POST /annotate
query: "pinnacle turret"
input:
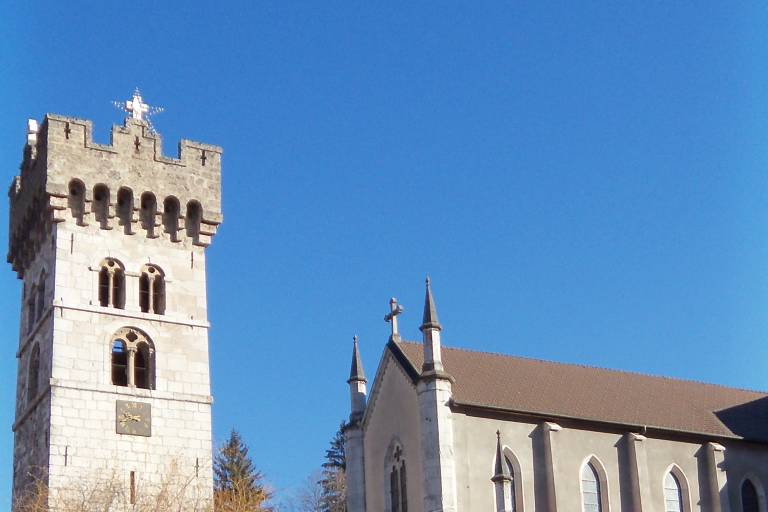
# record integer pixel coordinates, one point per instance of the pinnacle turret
(430, 330)
(357, 385)
(356, 373)
(501, 470)
(430, 320)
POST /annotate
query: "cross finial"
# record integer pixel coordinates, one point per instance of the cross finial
(136, 106)
(137, 109)
(391, 317)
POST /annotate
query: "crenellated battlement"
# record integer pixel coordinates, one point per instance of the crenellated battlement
(127, 185)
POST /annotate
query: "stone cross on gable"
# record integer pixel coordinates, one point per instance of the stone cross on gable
(391, 317)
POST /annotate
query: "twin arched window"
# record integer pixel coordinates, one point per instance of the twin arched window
(133, 359)
(152, 290)
(112, 287)
(398, 491)
(112, 284)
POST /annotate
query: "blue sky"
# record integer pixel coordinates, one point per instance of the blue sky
(583, 183)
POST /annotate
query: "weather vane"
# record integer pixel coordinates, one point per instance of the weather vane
(137, 109)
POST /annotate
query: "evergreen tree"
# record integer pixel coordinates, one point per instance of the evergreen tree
(238, 486)
(334, 455)
(333, 482)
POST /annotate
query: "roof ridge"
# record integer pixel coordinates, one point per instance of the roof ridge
(594, 367)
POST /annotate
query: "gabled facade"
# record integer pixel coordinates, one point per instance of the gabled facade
(456, 430)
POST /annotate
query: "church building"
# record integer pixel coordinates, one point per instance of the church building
(447, 430)
(113, 389)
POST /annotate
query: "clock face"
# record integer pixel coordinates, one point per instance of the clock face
(133, 418)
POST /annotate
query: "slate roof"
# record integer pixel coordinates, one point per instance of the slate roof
(557, 390)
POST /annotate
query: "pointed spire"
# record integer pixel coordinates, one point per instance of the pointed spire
(430, 311)
(501, 470)
(356, 373)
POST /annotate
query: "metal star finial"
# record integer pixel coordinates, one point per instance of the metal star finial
(137, 109)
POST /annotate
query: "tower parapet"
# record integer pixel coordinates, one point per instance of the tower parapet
(128, 184)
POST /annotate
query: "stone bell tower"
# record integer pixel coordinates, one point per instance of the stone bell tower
(113, 388)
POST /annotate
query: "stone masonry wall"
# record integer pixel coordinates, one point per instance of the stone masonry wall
(72, 424)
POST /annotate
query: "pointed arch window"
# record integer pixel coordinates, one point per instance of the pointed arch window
(593, 497)
(511, 505)
(750, 499)
(152, 290)
(673, 494)
(133, 359)
(676, 495)
(33, 375)
(112, 284)
(398, 491)
(507, 482)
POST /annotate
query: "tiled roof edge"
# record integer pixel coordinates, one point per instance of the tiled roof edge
(617, 425)
(592, 367)
(406, 363)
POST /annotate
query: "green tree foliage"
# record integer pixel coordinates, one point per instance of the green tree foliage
(238, 486)
(333, 481)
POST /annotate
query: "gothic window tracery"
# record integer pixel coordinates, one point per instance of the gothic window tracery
(133, 359)
(152, 290)
(112, 284)
(398, 492)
